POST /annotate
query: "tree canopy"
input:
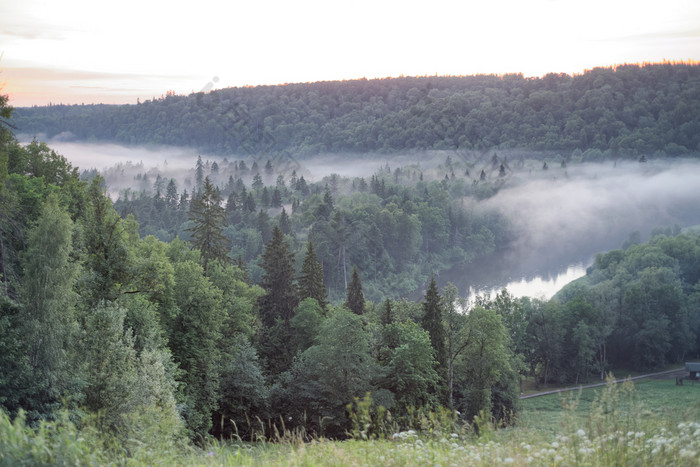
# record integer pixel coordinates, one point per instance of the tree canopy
(626, 110)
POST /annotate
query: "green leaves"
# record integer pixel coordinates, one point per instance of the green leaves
(485, 358)
(49, 323)
(194, 339)
(410, 367)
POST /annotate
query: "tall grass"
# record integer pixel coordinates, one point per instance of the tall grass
(650, 425)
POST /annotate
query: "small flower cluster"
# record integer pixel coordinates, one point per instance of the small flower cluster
(404, 435)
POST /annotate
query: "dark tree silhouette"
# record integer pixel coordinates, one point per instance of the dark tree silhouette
(355, 299)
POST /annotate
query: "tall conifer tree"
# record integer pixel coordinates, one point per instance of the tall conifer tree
(209, 220)
(355, 298)
(107, 255)
(311, 278)
(278, 303)
(284, 223)
(199, 176)
(387, 313)
(278, 281)
(432, 322)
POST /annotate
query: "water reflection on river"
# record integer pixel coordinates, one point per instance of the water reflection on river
(535, 287)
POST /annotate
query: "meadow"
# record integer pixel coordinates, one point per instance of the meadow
(648, 424)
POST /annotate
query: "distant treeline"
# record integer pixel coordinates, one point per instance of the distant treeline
(626, 111)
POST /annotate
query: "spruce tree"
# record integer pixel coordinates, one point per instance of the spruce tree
(107, 259)
(171, 196)
(276, 200)
(355, 298)
(311, 278)
(209, 219)
(198, 175)
(387, 313)
(231, 209)
(263, 225)
(249, 203)
(432, 322)
(284, 223)
(277, 305)
(278, 280)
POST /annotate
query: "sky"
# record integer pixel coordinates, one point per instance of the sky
(87, 51)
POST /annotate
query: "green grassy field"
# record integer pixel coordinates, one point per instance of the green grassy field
(651, 423)
(648, 424)
(655, 400)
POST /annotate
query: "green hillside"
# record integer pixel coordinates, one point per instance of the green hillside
(625, 111)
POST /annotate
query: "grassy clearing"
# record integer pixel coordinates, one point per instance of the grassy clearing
(656, 400)
(650, 424)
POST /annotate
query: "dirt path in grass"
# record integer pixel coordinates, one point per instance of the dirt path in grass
(659, 375)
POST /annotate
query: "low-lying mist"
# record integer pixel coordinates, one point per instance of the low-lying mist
(597, 205)
(123, 167)
(560, 216)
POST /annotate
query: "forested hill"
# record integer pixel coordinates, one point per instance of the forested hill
(629, 110)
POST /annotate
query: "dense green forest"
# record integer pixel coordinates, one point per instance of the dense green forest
(397, 226)
(243, 308)
(626, 111)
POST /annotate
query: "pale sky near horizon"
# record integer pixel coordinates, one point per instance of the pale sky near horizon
(87, 51)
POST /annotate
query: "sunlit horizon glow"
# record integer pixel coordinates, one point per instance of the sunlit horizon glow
(77, 51)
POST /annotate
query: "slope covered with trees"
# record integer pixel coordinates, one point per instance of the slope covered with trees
(151, 342)
(628, 111)
(637, 307)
